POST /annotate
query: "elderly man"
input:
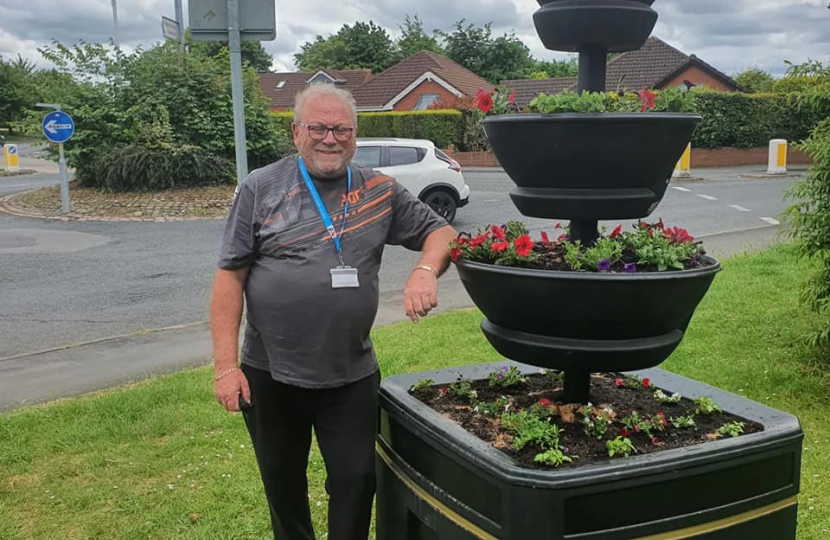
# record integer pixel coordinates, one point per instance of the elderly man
(303, 244)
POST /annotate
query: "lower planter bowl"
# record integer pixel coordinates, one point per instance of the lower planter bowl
(552, 158)
(589, 321)
(437, 481)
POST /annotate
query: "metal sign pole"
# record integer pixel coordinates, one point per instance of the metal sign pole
(235, 46)
(180, 19)
(65, 207)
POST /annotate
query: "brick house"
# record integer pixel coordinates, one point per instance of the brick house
(410, 85)
(656, 65)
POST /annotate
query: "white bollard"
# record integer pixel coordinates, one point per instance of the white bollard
(12, 159)
(777, 157)
(683, 169)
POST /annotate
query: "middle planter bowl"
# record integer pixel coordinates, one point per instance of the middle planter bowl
(553, 159)
(585, 321)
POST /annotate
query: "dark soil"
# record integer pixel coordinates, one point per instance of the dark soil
(573, 440)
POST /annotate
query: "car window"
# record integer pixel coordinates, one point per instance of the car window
(405, 155)
(367, 156)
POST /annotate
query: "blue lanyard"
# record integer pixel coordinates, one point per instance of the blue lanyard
(321, 209)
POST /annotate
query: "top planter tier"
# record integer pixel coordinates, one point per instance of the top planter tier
(589, 166)
(615, 25)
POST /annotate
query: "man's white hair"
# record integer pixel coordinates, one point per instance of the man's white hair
(320, 90)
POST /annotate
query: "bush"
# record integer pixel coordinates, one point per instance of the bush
(747, 121)
(809, 218)
(440, 127)
(789, 85)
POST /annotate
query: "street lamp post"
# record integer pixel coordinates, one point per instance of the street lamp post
(115, 21)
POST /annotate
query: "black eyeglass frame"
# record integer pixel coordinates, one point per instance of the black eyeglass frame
(345, 133)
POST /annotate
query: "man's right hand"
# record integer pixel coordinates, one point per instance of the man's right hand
(228, 389)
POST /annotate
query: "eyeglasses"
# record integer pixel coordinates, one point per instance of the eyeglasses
(318, 132)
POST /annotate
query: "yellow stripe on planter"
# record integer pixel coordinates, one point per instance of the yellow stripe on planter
(777, 157)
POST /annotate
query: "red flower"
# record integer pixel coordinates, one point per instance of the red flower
(544, 402)
(623, 432)
(484, 101)
(646, 383)
(678, 235)
(443, 390)
(654, 441)
(462, 241)
(545, 239)
(498, 232)
(660, 225)
(523, 245)
(616, 232)
(499, 246)
(558, 225)
(646, 100)
(636, 428)
(562, 238)
(455, 254)
(618, 382)
(512, 98)
(478, 240)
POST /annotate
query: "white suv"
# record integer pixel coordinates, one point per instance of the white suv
(417, 165)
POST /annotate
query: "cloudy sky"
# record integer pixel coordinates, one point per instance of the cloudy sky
(730, 34)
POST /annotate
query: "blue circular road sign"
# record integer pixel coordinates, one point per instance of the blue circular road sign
(58, 127)
(12, 149)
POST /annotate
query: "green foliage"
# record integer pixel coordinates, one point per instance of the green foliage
(362, 45)
(505, 377)
(732, 429)
(504, 57)
(115, 94)
(556, 68)
(553, 457)
(422, 385)
(621, 446)
(706, 405)
(809, 220)
(440, 127)
(587, 259)
(755, 80)
(530, 429)
(669, 100)
(747, 121)
(471, 136)
(684, 422)
(253, 53)
(414, 39)
(15, 91)
(662, 397)
(461, 389)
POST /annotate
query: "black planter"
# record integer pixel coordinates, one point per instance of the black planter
(437, 481)
(585, 321)
(554, 159)
(614, 25)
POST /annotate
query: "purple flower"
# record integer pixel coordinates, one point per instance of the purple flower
(630, 268)
(603, 265)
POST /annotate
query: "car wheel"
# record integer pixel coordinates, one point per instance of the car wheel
(443, 203)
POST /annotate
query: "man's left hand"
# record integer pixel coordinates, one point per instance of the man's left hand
(420, 295)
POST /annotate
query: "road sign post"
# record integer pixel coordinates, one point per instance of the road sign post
(234, 21)
(12, 159)
(58, 128)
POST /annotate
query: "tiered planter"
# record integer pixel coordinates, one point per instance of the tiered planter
(436, 481)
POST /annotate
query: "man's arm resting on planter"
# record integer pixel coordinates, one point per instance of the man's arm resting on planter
(420, 295)
(225, 315)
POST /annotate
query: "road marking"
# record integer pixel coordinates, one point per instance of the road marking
(708, 197)
(684, 190)
(771, 221)
(739, 208)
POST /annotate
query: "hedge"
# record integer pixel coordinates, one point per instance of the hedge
(752, 120)
(440, 127)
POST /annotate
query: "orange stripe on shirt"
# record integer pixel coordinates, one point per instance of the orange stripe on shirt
(362, 223)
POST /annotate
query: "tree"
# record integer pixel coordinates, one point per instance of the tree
(364, 45)
(505, 57)
(414, 39)
(755, 80)
(15, 96)
(557, 68)
(253, 53)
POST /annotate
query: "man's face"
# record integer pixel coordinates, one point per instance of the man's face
(329, 157)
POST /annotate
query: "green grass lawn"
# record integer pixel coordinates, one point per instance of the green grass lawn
(161, 460)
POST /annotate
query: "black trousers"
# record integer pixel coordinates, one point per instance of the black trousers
(345, 421)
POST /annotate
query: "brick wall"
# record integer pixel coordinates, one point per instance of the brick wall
(426, 87)
(701, 159)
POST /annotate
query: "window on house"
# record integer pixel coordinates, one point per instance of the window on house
(367, 156)
(280, 84)
(321, 78)
(425, 100)
(405, 155)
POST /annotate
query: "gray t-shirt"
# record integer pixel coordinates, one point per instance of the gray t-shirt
(298, 327)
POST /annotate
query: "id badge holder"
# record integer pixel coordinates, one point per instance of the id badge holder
(344, 277)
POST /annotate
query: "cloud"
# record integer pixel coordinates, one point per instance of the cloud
(729, 34)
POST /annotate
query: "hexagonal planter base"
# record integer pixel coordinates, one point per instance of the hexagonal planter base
(437, 481)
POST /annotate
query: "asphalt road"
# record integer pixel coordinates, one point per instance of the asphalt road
(67, 283)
